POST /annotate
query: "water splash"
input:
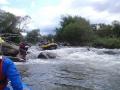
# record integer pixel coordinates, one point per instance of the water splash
(74, 69)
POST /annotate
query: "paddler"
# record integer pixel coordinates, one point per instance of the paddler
(8, 72)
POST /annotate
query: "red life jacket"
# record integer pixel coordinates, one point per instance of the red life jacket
(3, 79)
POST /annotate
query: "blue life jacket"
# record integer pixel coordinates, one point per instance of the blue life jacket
(10, 71)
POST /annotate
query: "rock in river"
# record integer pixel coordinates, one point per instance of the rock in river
(47, 55)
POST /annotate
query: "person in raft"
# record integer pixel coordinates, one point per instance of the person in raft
(8, 72)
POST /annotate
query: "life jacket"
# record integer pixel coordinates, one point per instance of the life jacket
(3, 79)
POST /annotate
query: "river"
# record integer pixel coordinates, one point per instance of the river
(75, 68)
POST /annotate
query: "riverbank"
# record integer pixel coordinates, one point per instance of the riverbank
(108, 43)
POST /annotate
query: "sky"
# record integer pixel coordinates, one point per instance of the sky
(46, 14)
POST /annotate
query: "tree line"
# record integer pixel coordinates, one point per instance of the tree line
(11, 28)
(77, 31)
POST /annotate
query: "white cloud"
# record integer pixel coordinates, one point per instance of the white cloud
(4, 2)
(15, 11)
(47, 15)
(111, 6)
(50, 15)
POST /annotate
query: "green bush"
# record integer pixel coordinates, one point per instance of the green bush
(107, 42)
(77, 34)
(74, 30)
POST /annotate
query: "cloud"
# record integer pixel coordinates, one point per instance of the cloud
(47, 30)
(50, 15)
(112, 6)
(47, 17)
(4, 2)
(15, 11)
(97, 11)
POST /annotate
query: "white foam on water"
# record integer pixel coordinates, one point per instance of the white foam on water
(82, 55)
(98, 65)
(78, 54)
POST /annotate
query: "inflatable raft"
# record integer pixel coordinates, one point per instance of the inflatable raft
(49, 46)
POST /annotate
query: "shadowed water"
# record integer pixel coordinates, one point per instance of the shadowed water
(73, 69)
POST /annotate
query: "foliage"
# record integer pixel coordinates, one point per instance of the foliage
(49, 37)
(116, 28)
(11, 26)
(78, 31)
(33, 36)
(74, 30)
(8, 23)
(108, 36)
(77, 34)
(23, 22)
(107, 42)
(65, 20)
(104, 31)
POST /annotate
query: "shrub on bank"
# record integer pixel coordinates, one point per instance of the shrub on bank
(107, 43)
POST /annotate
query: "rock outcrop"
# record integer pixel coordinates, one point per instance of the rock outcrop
(9, 49)
(47, 55)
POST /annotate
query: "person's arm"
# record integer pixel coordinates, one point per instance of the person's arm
(13, 75)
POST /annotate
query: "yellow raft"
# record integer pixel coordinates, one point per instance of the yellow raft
(49, 46)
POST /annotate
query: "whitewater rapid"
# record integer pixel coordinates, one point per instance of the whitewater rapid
(74, 68)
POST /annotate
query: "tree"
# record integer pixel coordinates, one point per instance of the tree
(33, 36)
(9, 26)
(49, 37)
(8, 23)
(104, 30)
(65, 20)
(76, 34)
(74, 30)
(116, 28)
(23, 22)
